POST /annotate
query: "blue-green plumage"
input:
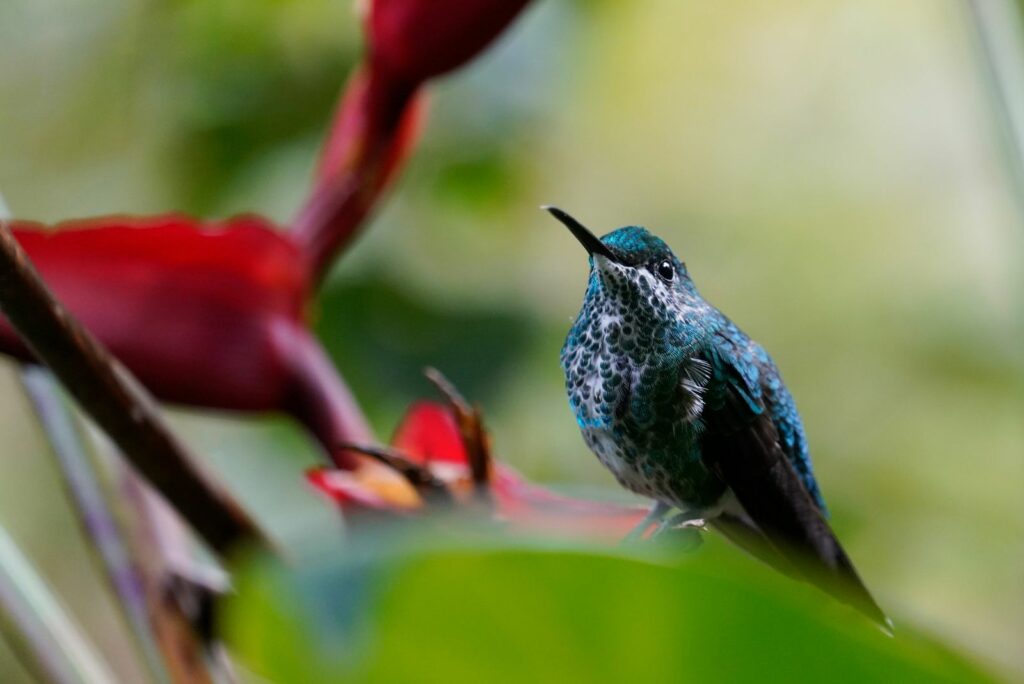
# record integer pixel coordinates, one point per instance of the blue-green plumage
(644, 358)
(684, 408)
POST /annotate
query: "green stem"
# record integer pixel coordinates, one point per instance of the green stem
(94, 515)
(999, 40)
(46, 639)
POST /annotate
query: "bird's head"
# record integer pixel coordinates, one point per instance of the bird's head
(634, 267)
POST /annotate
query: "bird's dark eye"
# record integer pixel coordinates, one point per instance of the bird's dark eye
(665, 270)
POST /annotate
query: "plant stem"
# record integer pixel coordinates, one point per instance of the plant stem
(97, 520)
(45, 638)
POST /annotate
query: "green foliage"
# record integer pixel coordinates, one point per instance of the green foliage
(540, 614)
(382, 335)
(254, 77)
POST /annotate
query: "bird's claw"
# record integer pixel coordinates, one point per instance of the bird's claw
(681, 522)
(683, 531)
(684, 527)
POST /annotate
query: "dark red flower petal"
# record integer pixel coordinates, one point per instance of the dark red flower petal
(414, 40)
(208, 314)
(193, 309)
(374, 130)
(375, 119)
(377, 122)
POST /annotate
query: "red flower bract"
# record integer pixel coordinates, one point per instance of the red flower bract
(208, 314)
(376, 125)
(414, 40)
(194, 310)
(374, 130)
(429, 434)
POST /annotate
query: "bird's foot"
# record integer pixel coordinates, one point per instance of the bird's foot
(683, 530)
(681, 521)
(655, 515)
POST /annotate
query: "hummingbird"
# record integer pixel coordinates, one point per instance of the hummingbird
(687, 410)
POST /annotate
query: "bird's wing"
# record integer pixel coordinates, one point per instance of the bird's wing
(742, 445)
(782, 409)
(758, 378)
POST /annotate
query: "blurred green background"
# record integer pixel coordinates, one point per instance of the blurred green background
(831, 172)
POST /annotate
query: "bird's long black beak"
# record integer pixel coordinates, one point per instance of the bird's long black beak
(590, 242)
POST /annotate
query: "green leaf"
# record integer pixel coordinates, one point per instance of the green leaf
(536, 615)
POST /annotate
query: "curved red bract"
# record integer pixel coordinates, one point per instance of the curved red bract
(374, 131)
(195, 310)
(414, 40)
(429, 434)
(243, 261)
(378, 120)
